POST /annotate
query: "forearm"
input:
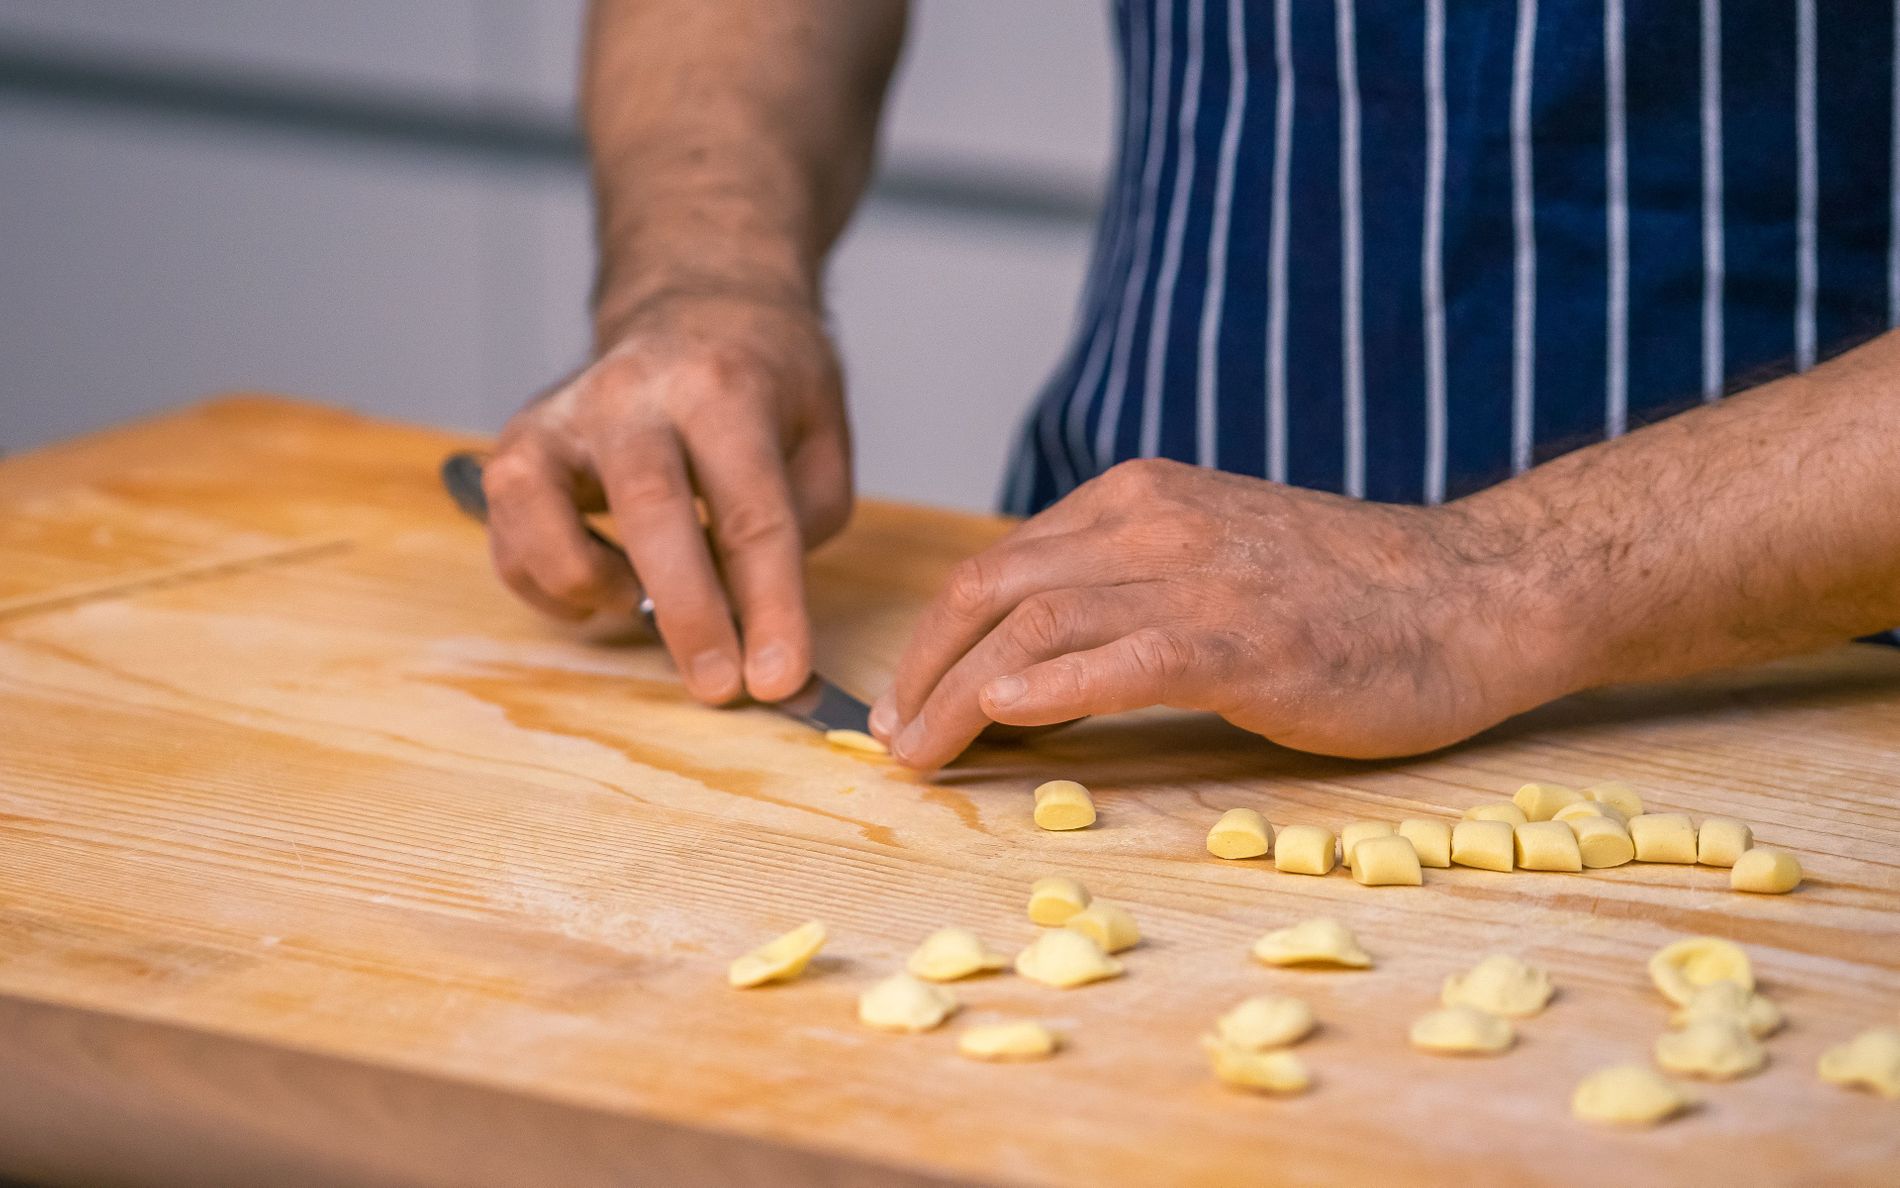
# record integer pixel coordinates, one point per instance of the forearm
(730, 140)
(1761, 526)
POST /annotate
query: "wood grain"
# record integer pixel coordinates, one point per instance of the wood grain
(362, 806)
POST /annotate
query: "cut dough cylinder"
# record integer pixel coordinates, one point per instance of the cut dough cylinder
(1602, 842)
(1303, 849)
(1054, 899)
(1240, 833)
(1663, 837)
(1319, 941)
(1265, 1021)
(1546, 845)
(1065, 959)
(1462, 1030)
(1628, 1095)
(1540, 802)
(1274, 1071)
(1063, 805)
(1728, 1000)
(1871, 1060)
(1682, 968)
(778, 960)
(1388, 861)
(1431, 840)
(1717, 1048)
(951, 953)
(904, 1003)
(1497, 810)
(1765, 871)
(1019, 1039)
(1107, 925)
(1502, 985)
(1626, 799)
(1354, 832)
(1722, 840)
(1486, 845)
(856, 740)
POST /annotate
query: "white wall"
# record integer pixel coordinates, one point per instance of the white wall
(149, 254)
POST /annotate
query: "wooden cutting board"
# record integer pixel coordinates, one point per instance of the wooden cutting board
(322, 858)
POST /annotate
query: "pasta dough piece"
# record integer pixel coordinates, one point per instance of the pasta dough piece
(1540, 802)
(1546, 845)
(1722, 840)
(1387, 861)
(1682, 968)
(951, 953)
(1486, 845)
(1628, 1095)
(1320, 941)
(1870, 1059)
(904, 1003)
(1265, 1021)
(1497, 810)
(1729, 1000)
(1054, 899)
(1019, 1039)
(780, 959)
(1602, 842)
(1063, 805)
(1589, 808)
(1275, 1071)
(1354, 832)
(1303, 849)
(1065, 959)
(1663, 837)
(1626, 799)
(1240, 833)
(1463, 1029)
(1431, 840)
(856, 740)
(1717, 1047)
(1766, 871)
(1502, 985)
(1107, 925)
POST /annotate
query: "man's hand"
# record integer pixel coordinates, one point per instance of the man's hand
(727, 399)
(1320, 622)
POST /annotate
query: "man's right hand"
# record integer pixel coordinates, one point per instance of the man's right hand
(719, 399)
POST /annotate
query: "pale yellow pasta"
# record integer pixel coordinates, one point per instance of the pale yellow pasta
(1019, 1039)
(1502, 985)
(1063, 805)
(1721, 840)
(1430, 838)
(1054, 899)
(1602, 842)
(1587, 808)
(1682, 968)
(1387, 861)
(856, 740)
(1540, 802)
(1265, 1021)
(1108, 925)
(1870, 1060)
(1272, 1071)
(1730, 1000)
(1486, 845)
(1240, 833)
(951, 953)
(904, 1003)
(1462, 1030)
(1716, 1047)
(1663, 837)
(1765, 871)
(1627, 800)
(1628, 1095)
(1546, 845)
(1065, 959)
(778, 960)
(1355, 832)
(1303, 849)
(1497, 810)
(1319, 941)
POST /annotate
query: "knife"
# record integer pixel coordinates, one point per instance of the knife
(820, 704)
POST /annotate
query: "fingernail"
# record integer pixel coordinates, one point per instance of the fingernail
(910, 739)
(1004, 690)
(714, 673)
(769, 665)
(884, 716)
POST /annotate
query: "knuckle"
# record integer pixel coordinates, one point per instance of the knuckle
(1042, 623)
(643, 487)
(973, 587)
(1137, 476)
(569, 578)
(507, 474)
(1159, 654)
(753, 523)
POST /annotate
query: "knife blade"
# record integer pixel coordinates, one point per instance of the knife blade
(819, 704)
